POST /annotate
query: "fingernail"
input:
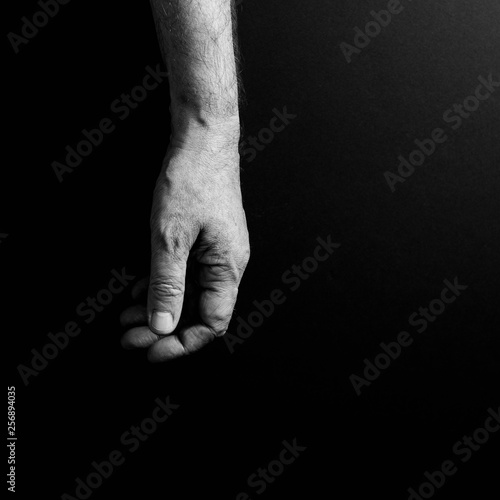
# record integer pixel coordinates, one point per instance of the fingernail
(162, 322)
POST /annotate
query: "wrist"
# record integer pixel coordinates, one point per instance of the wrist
(205, 133)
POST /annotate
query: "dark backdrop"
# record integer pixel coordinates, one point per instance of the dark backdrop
(322, 175)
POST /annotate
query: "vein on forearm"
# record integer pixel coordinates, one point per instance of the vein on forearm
(199, 45)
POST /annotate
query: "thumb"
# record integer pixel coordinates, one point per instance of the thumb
(166, 290)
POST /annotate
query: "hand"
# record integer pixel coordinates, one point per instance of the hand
(200, 248)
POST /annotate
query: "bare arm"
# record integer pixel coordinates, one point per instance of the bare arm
(197, 42)
(199, 237)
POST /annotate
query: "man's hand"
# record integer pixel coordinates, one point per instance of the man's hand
(199, 235)
(199, 245)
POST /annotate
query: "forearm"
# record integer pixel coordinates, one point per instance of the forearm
(196, 39)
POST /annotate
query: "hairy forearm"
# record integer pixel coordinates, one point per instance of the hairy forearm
(196, 39)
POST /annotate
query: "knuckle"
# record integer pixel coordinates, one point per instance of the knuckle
(229, 274)
(227, 250)
(233, 266)
(164, 289)
(174, 238)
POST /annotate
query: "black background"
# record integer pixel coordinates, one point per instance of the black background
(322, 175)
